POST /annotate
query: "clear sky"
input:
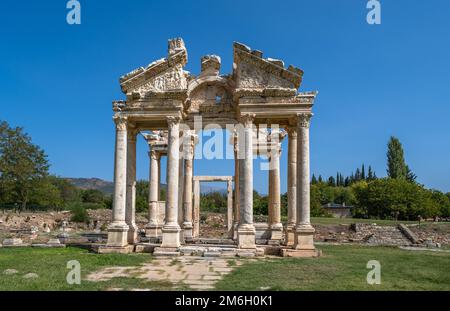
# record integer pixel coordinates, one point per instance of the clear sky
(374, 81)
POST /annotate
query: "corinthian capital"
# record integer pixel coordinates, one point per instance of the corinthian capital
(120, 121)
(304, 119)
(154, 155)
(247, 119)
(172, 120)
(292, 132)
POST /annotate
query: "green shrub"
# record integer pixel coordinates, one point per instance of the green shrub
(79, 213)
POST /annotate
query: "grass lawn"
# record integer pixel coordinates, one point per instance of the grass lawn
(51, 266)
(344, 268)
(340, 268)
(335, 221)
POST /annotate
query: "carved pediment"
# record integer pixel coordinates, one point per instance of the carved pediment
(252, 71)
(163, 75)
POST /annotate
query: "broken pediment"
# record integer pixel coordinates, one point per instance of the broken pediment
(252, 71)
(164, 75)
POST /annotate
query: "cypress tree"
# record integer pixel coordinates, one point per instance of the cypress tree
(396, 165)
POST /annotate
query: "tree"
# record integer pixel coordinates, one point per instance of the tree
(23, 165)
(396, 166)
(410, 176)
(363, 172)
(320, 179)
(370, 174)
(92, 196)
(331, 181)
(313, 180)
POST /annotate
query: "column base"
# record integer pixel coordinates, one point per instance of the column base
(171, 236)
(290, 234)
(105, 249)
(153, 231)
(132, 234)
(246, 236)
(117, 235)
(276, 232)
(304, 237)
(187, 231)
(235, 231)
(301, 253)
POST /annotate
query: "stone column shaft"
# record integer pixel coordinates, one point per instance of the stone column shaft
(292, 185)
(236, 193)
(230, 208)
(276, 227)
(196, 209)
(118, 229)
(246, 231)
(187, 194)
(153, 228)
(171, 229)
(304, 231)
(130, 214)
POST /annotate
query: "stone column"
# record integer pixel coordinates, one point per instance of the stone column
(187, 192)
(292, 185)
(196, 212)
(171, 229)
(130, 213)
(153, 228)
(118, 229)
(236, 189)
(159, 178)
(304, 232)
(276, 228)
(230, 208)
(246, 229)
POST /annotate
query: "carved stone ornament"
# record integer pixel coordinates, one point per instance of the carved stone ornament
(121, 122)
(247, 119)
(172, 121)
(304, 119)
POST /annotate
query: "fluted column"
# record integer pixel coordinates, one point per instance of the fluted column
(276, 228)
(246, 230)
(304, 232)
(130, 213)
(171, 229)
(118, 229)
(153, 228)
(187, 191)
(292, 185)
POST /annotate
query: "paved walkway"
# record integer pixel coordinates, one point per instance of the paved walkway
(198, 273)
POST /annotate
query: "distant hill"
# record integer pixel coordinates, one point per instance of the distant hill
(104, 186)
(107, 187)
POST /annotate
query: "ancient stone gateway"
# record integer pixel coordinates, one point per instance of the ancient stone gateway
(196, 203)
(258, 102)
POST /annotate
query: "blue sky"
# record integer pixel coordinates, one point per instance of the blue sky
(374, 81)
